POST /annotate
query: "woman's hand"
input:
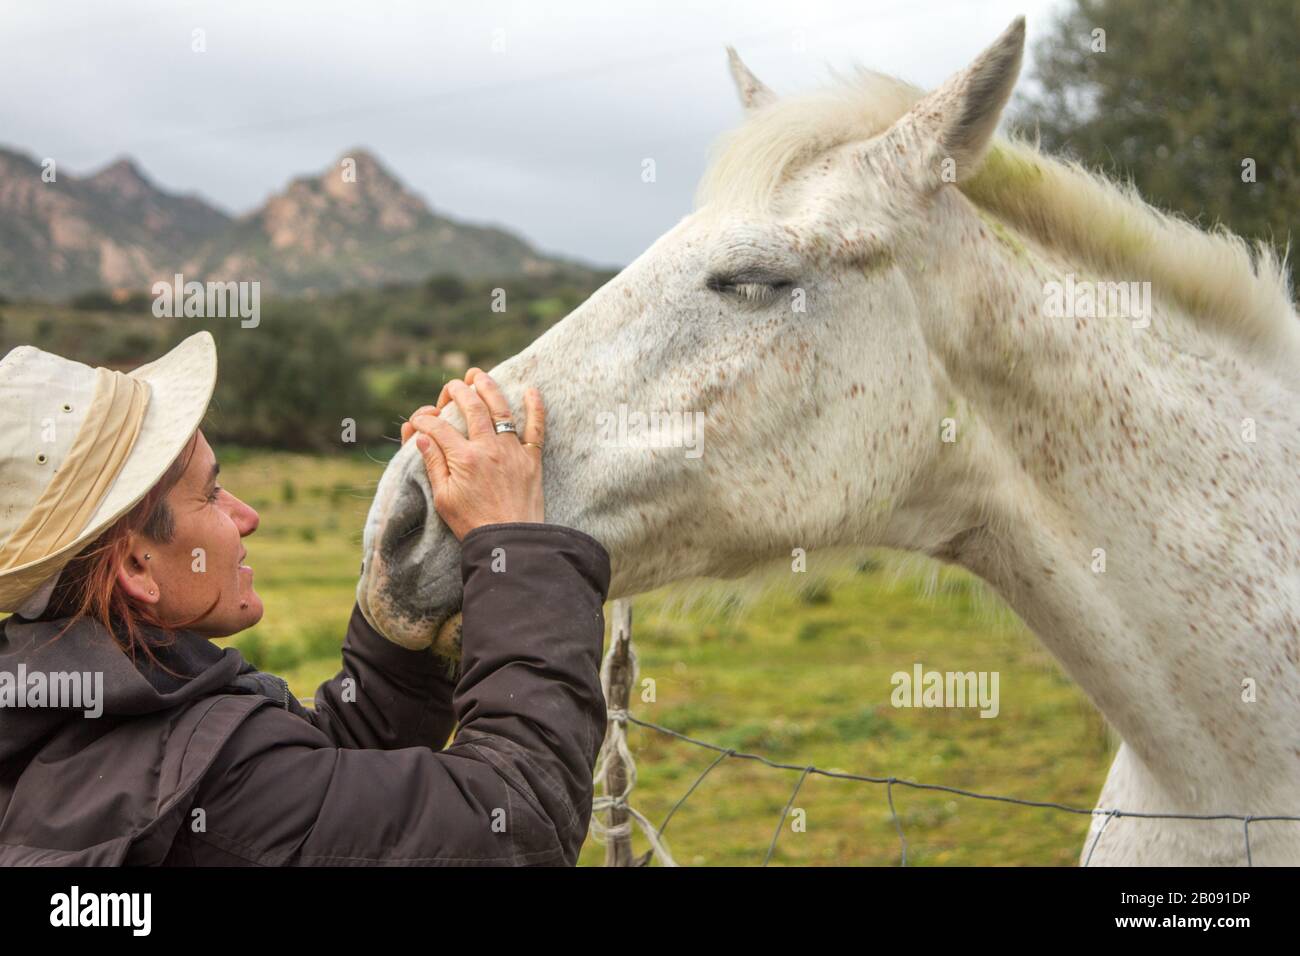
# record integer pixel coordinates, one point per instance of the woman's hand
(485, 478)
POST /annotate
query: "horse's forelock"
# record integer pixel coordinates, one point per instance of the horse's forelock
(750, 162)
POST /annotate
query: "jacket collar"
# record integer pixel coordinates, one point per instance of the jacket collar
(192, 668)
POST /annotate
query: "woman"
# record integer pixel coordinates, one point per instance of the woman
(128, 737)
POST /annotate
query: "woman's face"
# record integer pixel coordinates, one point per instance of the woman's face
(204, 561)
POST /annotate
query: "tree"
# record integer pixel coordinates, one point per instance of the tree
(445, 289)
(1188, 98)
(288, 383)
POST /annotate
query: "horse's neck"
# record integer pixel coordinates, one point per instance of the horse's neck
(1083, 440)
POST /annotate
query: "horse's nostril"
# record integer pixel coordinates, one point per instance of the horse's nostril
(407, 522)
(415, 579)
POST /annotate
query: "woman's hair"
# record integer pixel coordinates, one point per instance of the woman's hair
(87, 586)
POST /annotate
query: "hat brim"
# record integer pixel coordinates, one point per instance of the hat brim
(180, 388)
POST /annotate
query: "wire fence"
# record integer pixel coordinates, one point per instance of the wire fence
(616, 773)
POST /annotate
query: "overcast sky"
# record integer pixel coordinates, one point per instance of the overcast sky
(544, 134)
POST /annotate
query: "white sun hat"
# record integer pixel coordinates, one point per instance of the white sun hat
(79, 446)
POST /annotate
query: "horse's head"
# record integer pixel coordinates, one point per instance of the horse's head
(759, 379)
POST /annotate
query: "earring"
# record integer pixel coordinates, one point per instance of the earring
(147, 557)
(151, 590)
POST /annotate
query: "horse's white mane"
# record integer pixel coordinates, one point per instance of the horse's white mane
(1229, 285)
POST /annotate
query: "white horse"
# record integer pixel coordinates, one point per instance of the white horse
(888, 358)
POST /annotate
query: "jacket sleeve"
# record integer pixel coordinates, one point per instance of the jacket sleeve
(515, 785)
(386, 697)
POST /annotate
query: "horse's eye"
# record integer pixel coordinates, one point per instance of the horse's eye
(751, 288)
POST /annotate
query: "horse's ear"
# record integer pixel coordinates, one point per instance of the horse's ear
(948, 131)
(754, 94)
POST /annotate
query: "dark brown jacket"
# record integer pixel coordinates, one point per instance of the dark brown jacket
(226, 768)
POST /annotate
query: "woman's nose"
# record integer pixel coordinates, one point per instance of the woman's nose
(245, 518)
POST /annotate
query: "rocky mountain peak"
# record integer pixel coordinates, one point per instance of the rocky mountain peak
(352, 224)
(124, 178)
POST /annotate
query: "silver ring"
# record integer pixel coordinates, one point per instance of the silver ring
(506, 426)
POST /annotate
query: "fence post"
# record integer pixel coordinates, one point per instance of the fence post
(618, 851)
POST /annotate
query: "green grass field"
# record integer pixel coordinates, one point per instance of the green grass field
(799, 678)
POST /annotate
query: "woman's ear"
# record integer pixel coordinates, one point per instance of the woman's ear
(135, 573)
